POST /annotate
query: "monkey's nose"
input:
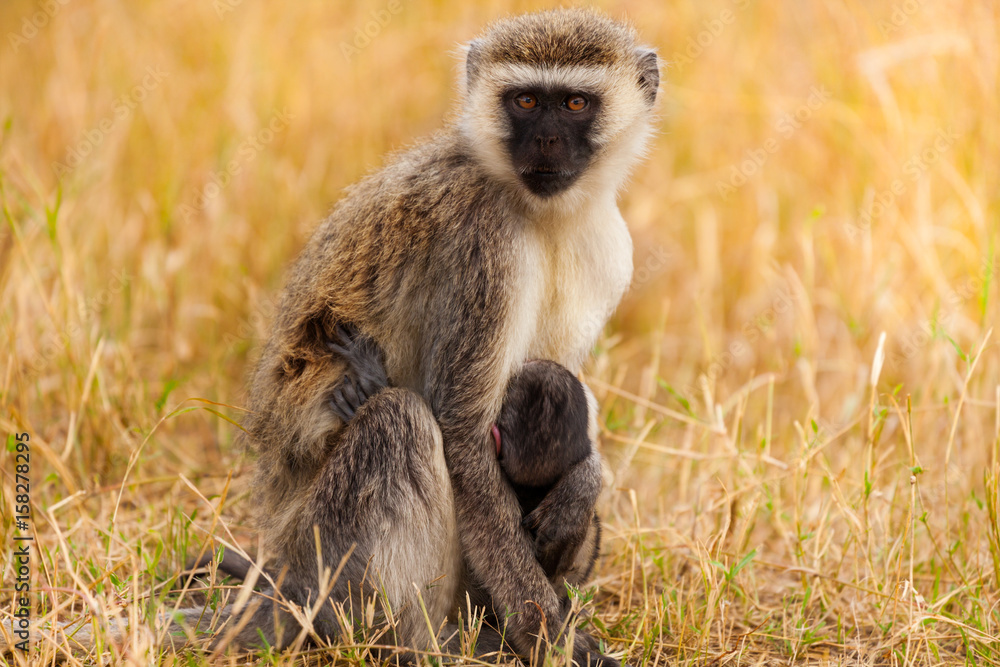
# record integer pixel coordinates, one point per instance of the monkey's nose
(546, 142)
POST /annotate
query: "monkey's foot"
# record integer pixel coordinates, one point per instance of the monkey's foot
(559, 532)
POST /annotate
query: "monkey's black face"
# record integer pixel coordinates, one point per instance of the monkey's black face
(550, 140)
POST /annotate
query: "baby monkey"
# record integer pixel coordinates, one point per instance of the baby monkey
(544, 431)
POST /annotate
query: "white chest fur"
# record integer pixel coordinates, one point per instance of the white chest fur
(576, 269)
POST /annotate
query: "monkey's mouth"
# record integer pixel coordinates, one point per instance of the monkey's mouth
(546, 172)
(546, 181)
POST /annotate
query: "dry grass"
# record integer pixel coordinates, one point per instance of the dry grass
(774, 500)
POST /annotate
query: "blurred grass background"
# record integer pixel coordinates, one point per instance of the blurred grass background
(824, 172)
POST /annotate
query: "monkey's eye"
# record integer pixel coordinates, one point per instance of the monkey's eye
(576, 103)
(526, 101)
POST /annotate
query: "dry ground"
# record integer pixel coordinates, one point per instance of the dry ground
(825, 172)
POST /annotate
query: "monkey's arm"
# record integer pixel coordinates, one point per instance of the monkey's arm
(465, 377)
(561, 521)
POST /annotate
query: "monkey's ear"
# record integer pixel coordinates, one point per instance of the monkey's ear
(649, 72)
(473, 61)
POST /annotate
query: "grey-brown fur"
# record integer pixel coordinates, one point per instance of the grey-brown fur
(540, 39)
(543, 441)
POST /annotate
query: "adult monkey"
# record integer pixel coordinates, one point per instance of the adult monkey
(495, 241)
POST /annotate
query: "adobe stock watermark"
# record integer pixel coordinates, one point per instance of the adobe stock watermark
(121, 109)
(711, 29)
(223, 7)
(914, 166)
(245, 153)
(649, 268)
(254, 324)
(900, 15)
(787, 125)
(32, 25)
(933, 327)
(363, 35)
(782, 304)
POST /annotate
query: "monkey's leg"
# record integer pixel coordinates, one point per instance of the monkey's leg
(563, 521)
(384, 497)
(577, 572)
(582, 566)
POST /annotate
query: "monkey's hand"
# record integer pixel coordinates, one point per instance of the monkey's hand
(366, 371)
(561, 521)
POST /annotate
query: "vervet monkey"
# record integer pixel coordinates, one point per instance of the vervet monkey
(546, 430)
(495, 241)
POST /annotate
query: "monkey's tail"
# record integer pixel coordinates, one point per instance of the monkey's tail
(231, 563)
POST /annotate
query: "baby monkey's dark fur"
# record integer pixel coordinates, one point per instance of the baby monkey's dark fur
(543, 429)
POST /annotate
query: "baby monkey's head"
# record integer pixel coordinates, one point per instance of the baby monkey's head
(542, 430)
